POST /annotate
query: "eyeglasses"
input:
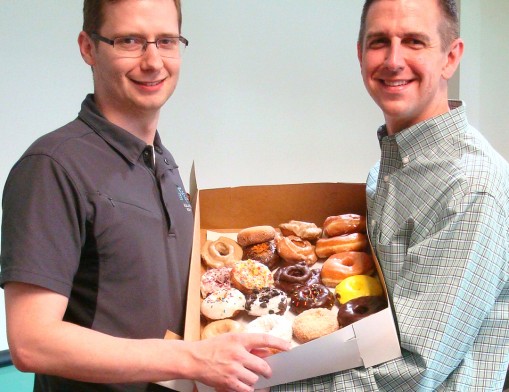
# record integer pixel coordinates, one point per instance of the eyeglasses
(172, 47)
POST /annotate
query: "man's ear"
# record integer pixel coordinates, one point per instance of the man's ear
(359, 53)
(87, 48)
(453, 58)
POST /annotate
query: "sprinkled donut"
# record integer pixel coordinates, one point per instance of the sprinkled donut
(215, 279)
(248, 275)
(224, 303)
(310, 297)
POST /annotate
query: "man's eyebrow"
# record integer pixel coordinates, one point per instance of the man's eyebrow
(411, 34)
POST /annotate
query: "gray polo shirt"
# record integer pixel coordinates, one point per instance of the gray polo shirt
(93, 213)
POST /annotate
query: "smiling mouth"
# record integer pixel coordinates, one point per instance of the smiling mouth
(395, 83)
(149, 84)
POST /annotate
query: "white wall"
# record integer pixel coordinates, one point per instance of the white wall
(270, 91)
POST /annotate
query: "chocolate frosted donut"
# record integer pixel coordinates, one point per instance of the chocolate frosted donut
(290, 277)
(311, 297)
(359, 308)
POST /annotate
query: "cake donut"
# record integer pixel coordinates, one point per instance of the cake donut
(305, 230)
(222, 252)
(340, 266)
(293, 249)
(272, 324)
(222, 304)
(360, 307)
(326, 247)
(264, 252)
(215, 279)
(255, 235)
(358, 286)
(288, 278)
(344, 224)
(310, 297)
(219, 327)
(248, 275)
(314, 323)
(267, 300)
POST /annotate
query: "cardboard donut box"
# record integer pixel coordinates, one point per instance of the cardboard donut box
(365, 343)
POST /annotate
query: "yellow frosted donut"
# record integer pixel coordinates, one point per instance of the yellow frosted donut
(358, 286)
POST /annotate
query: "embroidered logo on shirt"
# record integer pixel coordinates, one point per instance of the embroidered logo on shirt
(184, 199)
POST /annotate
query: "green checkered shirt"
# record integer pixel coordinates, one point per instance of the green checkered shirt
(438, 216)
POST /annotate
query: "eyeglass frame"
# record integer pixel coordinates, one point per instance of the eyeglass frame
(111, 42)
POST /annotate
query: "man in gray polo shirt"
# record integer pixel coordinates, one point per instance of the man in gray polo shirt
(97, 228)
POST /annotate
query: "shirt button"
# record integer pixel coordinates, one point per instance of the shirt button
(166, 161)
(158, 149)
(373, 223)
(405, 160)
(386, 178)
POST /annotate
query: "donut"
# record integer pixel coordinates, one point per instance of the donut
(247, 275)
(267, 300)
(272, 324)
(222, 252)
(215, 279)
(310, 297)
(326, 247)
(222, 304)
(255, 235)
(288, 278)
(264, 252)
(344, 224)
(305, 230)
(218, 327)
(314, 323)
(342, 265)
(293, 249)
(360, 307)
(358, 286)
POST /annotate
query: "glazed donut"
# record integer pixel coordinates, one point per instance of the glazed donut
(358, 286)
(310, 297)
(314, 323)
(220, 327)
(222, 304)
(360, 307)
(344, 224)
(272, 324)
(305, 230)
(340, 266)
(222, 252)
(264, 252)
(267, 300)
(288, 278)
(293, 249)
(326, 247)
(247, 275)
(255, 235)
(215, 279)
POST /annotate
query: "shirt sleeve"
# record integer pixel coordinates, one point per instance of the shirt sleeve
(41, 225)
(451, 303)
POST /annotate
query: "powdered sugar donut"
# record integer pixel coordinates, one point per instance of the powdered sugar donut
(272, 324)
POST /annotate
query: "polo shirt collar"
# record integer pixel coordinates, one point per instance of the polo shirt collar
(125, 143)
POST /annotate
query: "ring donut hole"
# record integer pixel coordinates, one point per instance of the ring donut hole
(222, 248)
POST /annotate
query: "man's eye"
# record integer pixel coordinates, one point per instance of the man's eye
(167, 42)
(377, 43)
(414, 43)
(128, 41)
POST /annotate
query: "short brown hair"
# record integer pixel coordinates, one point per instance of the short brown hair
(449, 27)
(93, 17)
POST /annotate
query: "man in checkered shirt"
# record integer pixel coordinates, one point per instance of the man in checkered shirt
(438, 211)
